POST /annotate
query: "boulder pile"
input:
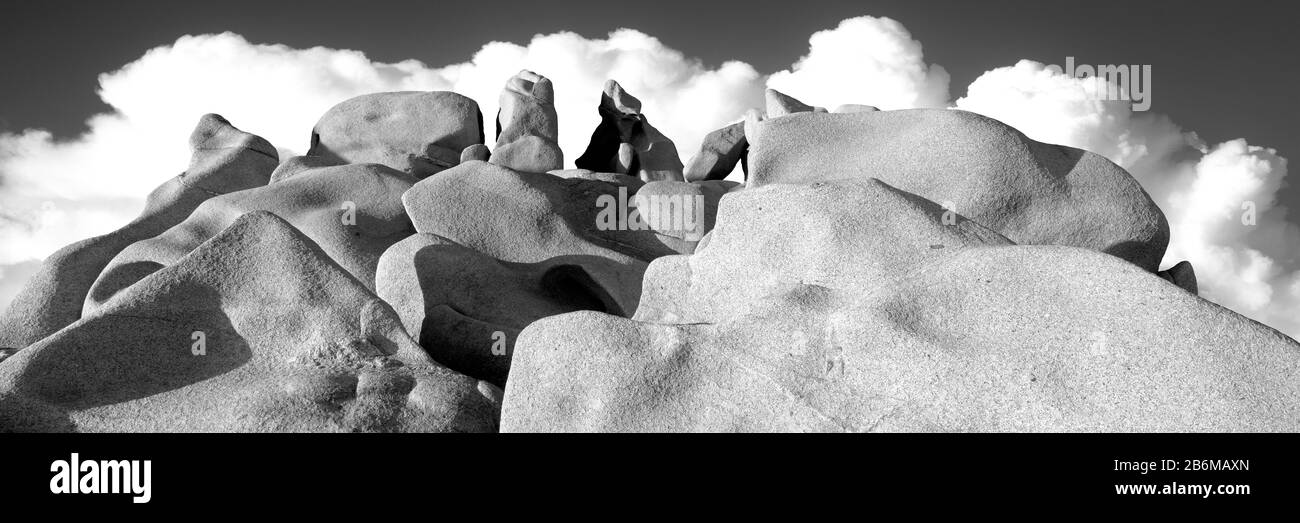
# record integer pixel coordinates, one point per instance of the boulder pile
(912, 270)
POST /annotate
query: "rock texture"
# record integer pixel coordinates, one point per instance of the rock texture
(418, 133)
(1182, 275)
(855, 108)
(918, 270)
(289, 342)
(1031, 192)
(223, 159)
(719, 153)
(880, 317)
(354, 212)
(626, 143)
(781, 104)
(528, 129)
(529, 217)
(467, 308)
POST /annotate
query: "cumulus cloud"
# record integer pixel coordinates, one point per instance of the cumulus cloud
(54, 192)
(1220, 199)
(865, 60)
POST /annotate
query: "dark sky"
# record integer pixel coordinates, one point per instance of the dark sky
(1223, 69)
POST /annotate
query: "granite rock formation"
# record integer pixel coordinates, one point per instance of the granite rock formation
(912, 270)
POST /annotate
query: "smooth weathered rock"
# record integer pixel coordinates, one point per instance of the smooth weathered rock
(850, 306)
(632, 183)
(685, 210)
(299, 164)
(1183, 275)
(719, 153)
(530, 217)
(257, 330)
(527, 127)
(416, 132)
(855, 108)
(477, 152)
(781, 104)
(466, 308)
(750, 125)
(1030, 192)
(856, 234)
(224, 159)
(624, 142)
(354, 212)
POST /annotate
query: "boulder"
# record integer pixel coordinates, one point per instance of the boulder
(683, 210)
(467, 308)
(856, 307)
(1183, 275)
(256, 330)
(531, 217)
(855, 108)
(781, 104)
(1030, 192)
(719, 153)
(354, 212)
(223, 160)
(626, 143)
(476, 152)
(632, 183)
(297, 164)
(852, 235)
(416, 132)
(527, 127)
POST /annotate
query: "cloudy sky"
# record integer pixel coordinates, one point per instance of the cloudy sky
(97, 100)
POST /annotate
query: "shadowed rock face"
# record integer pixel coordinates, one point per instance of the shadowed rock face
(1183, 275)
(1032, 193)
(626, 143)
(467, 308)
(879, 316)
(353, 212)
(224, 159)
(255, 330)
(416, 132)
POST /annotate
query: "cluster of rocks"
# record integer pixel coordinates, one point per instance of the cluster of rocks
(914, 270)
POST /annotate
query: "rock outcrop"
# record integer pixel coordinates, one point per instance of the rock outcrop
(223, 160)
(853, 306)
(626, 143)
(719, 153)
(256, 330)
(1183, 275)
(354, 212)
(1030, 192)
(416, 132)
(530, 217)
(528, 131)
(916, 270)
(467, 308)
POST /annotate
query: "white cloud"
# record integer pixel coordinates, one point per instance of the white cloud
(1204, 191)
(55, 192)
(865, 60)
